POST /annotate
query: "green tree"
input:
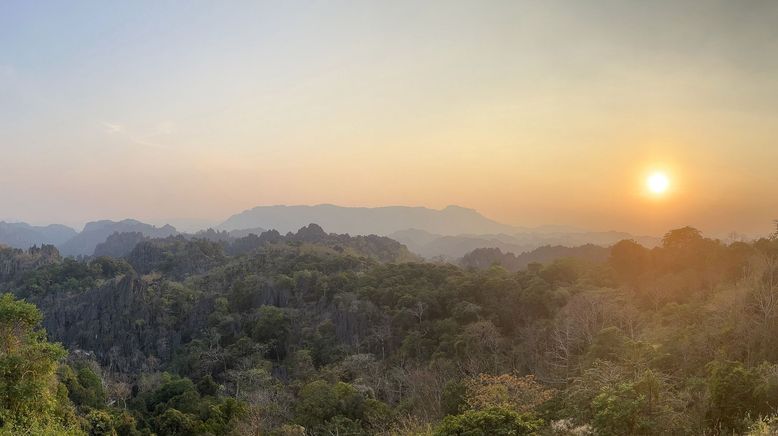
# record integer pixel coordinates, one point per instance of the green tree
(324, 406)
(733, 394)
(453, 397)
(619, 410)
(630, 261)
(100, 423)
(489, 422)
(175, 422)
(272, 328)
(85, 388)
(28, 363)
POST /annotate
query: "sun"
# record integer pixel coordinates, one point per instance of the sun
(658, 183)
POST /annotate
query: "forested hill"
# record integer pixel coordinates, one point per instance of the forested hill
(321, 334)
(487, 257)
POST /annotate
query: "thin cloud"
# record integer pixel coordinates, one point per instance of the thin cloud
(113, 127)
(146, 140)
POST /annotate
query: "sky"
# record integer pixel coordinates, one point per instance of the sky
(542, 112)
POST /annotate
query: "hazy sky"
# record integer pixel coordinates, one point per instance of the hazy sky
(542, 112)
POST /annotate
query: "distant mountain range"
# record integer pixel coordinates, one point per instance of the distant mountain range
(453, 220)
(451, 247)
(97, 232)
(22, 235)
(449, 233)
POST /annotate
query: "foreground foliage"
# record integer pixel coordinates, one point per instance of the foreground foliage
(322, 334)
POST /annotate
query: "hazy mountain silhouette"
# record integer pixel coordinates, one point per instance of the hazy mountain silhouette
(97, 232)
(451, 232)
(119, 244)
(432, 245)
(452, 220)
(23, 235)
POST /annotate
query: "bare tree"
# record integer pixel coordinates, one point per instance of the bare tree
(762, 281)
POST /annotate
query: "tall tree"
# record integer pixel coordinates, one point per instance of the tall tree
(30, 394)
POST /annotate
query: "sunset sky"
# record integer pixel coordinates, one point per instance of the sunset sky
(545, 112)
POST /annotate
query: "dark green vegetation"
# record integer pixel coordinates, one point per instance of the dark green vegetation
(320, 334)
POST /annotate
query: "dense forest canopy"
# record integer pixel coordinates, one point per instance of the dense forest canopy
(323, 334)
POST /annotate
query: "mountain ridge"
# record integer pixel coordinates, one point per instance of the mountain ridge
(449, 233)
(365, 220)
(23, 235)
(452, 247)
(97, 232)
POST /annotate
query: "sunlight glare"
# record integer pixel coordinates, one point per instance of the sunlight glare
(658, 183)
